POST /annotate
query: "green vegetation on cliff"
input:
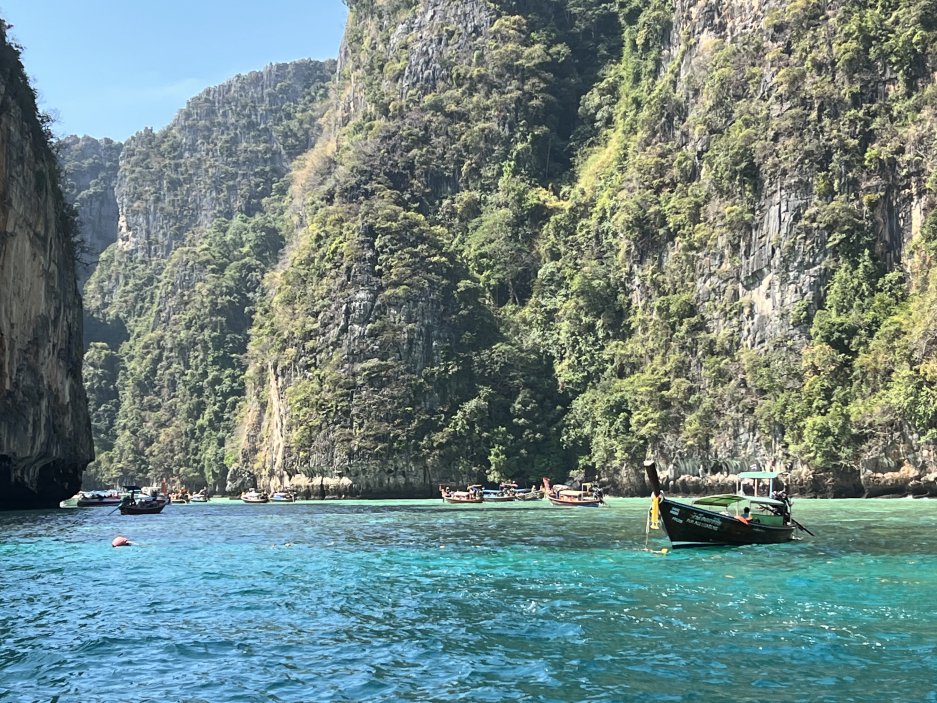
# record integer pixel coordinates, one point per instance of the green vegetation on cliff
(745, 210)
(396, 334)
(544, 237)
(687, 245)
(202, 216)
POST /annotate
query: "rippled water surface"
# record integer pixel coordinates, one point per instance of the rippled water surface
(419, 601)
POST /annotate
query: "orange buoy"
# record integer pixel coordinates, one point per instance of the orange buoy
(121, 541)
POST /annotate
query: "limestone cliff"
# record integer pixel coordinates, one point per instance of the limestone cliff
(540, 238)
(171, 299)
(761, 176)
(380, 369)
(90, 168)
(45, 437)
(709, 226)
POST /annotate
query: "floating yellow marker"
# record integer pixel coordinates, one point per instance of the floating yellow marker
(664, 550)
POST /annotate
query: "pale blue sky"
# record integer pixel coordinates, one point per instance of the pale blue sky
(109, 68)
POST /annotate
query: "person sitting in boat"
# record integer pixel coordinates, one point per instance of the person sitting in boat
(746, 515)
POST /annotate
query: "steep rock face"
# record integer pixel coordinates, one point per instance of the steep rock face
(45, 437)
(379, 370)
(90, 169)
(381, 332)
(172, 298)
(544, 238)
(219, 157)
(759, 189)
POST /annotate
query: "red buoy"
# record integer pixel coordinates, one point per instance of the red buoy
(121, 541)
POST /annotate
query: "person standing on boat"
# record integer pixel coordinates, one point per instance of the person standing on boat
(781, 495)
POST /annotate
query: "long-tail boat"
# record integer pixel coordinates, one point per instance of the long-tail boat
(498, 495)
(528, 494)
(255, 496)
(760, 517)
(145, 506)
(472, 495)
(561, 495)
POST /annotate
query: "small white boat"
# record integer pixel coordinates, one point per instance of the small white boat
(283, 497)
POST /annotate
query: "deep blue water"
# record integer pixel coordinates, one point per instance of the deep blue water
(419, 601)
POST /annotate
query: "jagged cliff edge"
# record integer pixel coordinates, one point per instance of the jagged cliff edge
(45, 433)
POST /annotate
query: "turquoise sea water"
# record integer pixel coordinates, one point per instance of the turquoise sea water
(420, 601)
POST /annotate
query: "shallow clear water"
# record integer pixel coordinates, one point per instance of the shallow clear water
(419, 601)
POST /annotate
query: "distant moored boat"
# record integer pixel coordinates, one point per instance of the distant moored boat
(97, 499)
(255, 496)
(472, 495)
(563, 496)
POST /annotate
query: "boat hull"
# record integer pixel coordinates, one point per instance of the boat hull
(92, 503)
(690, 526)
(560, 503)
(142, 509)
(98, 499)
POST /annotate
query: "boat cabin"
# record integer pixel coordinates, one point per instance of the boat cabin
(762, 511)
(756, 491)
(758, 483)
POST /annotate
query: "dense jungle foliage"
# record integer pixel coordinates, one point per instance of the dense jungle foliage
(549, 238)
(171, 303)
(823, 109)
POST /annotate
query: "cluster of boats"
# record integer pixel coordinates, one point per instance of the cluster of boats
(134, 500)
(255, 496)
(587, 496)
(183, 496)
(759, 512)
(505, 493)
